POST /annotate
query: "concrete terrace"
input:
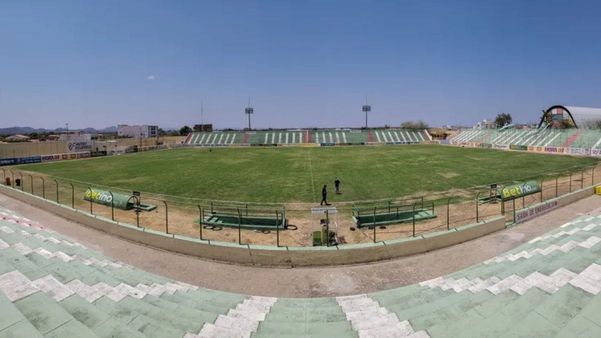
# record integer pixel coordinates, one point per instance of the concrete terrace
(54, 286)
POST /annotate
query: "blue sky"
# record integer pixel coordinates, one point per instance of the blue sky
(303, 63)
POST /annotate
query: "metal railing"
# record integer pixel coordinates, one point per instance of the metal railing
(188, 218)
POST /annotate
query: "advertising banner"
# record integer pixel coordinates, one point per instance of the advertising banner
(526, 214)
(556, 150)
(578, 151)
(20, 160)
(518, 147)
(518, 190)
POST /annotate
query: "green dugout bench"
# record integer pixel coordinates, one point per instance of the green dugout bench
(391, 213)
(244, 217)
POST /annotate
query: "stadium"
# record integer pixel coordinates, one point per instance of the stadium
(170, 206)
(402, 193)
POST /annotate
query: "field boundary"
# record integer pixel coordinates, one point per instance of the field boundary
(248, 254)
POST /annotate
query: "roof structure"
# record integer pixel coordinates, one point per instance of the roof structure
(582, 117)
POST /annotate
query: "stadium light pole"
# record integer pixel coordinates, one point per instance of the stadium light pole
(201, 112)
(366, 109)
(249, 111)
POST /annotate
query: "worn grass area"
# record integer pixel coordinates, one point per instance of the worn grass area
(297, 174)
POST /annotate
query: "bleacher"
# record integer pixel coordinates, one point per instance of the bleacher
(215, 138)
(404, 136)
(287, 137)
(53, 286)
(317, 136)
(531, 137)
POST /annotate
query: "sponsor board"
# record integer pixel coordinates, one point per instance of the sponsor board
(500, 146)
(79, 146)
(578, 151)
(518, 190)
(98, 196)
(20, 160)
(518, 147)
(554, 150)
(526, 214)
(50, 158)
(485, 145)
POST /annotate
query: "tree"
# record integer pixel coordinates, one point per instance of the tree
(185, 130)
(503, 119)
(414, 125)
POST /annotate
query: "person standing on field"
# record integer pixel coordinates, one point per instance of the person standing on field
(337, 185)
(324, 195)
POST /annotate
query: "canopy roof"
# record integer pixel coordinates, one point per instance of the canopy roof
(582, 117)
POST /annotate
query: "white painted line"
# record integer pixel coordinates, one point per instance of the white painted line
(265, 142)
(402, 136)
(390, 135)
(287, 138)
(378, 136)
(596, 144)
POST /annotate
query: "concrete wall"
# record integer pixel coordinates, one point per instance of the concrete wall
(279, 256)
(26, 149)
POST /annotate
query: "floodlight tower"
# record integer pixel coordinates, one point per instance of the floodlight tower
(201, 113)
(249, 111)
(366, 109)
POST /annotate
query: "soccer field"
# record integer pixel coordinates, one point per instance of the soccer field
(297, 174)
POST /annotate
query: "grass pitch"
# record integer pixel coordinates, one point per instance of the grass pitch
(298, 174)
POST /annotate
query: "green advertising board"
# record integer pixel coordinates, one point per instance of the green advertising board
(518, 190)
(118, 200)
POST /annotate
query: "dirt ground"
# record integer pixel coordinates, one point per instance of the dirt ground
(308, 282)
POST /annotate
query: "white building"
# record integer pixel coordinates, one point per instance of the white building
(144, 131)
(485, 124)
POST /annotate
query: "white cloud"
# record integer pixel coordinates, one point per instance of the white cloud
(150, 77)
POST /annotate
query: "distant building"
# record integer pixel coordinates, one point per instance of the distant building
(75, 136)
(144, 131)
(17, 138)
(203, 127)
(486, 124)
